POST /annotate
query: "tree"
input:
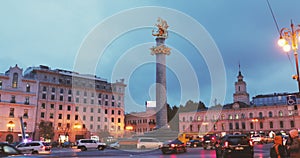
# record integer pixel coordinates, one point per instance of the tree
(46, 130)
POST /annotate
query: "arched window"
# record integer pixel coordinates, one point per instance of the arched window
(15, 80)
(251, 115)
(236, 116)
(260, 115)
(222, 117)
(270, 114)
(243, 115)
(280, 113)
(230, 117)
(27, 87)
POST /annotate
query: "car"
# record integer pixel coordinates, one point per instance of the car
(234, 146)
(209, 141)
(85, 144)
(7, 150)
(114, 145)
(257, 139)
(194, 143)
(148, 143)
(34, 147)
(173, 146)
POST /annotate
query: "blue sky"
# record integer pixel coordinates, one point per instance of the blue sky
(54, 33)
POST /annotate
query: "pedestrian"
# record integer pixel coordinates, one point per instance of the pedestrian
(278, 150)
(293, 145)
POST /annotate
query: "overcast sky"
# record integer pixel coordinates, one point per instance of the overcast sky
(208, 38)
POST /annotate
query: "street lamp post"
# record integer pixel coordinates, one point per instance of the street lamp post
(289, 39)
(254, 120)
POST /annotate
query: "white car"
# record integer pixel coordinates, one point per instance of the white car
(149, 143)
(34, 147)
(115, 145)
(84, 144)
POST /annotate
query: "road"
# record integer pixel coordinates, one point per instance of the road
(261, 151)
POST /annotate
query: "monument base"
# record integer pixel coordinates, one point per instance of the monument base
(162, 134)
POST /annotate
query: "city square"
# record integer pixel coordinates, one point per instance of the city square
(142, 79)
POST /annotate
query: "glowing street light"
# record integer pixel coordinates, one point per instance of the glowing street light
(289, 40)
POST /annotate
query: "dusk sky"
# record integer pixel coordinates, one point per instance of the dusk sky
(112, 39)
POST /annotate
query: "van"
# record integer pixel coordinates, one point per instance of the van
(149, 143)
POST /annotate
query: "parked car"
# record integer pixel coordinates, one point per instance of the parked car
(85, 144)
(234, 146)
(209, 141)
(174, 146)
(194, 143)
(9, 150)
(115, 145)
(148, 143)
(34, 147)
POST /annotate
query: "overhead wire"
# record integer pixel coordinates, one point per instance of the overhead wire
(277, 27)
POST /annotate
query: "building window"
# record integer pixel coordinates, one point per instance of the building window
(91, 126)
(112, 112)
(44, 95)
(99, 95)
(281, 124)
(69, 108)
(77, 100)
(25, 115)
(52, 106)
(68, 117)
(85, 93)
(270, 114)
(98, 119)
(59, 125)
(69, 98)
(112, 103)
(236, 116)
(61, 98)
(76, 108)
(76, 117)
(13, 99)
(84, 109)
(70, 91)
(183, 119)
(25, 125)
(261, 125)
(42, 115)
(251, 125)
(83, 126)
(292, 124)
(243, 115)
(15, 80)
(230, 126)
(215, 127)
(280, 113)
(271, 124)
(106, 103)
(77, 93)
(12, 112)
(52, 97)
(92, 110)
(92, 101)
(59, 116)
(83, 118)
(105, 119)
(26, 101)
(243, 125)
(99, 110)
(84, 100)
(237, 125)
(223, 126)
(251, 115)
(119, 120)
(0, 84)
(51, 116)
(44, 89)
(61, 91)
(43, 106)
(260, 115)
(230, 117)
(105, 111)
(60, 107)
(222, 117)
(91, 118)
(191, 128)
(119, 112)
(27, 87)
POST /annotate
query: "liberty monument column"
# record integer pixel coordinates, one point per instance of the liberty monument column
(160, 50)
